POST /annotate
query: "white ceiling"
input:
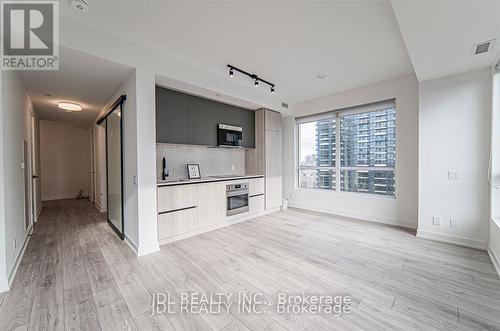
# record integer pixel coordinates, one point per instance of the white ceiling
(439, 34)
(85, 79)
(286, 42)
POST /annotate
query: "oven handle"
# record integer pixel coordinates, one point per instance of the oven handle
(239, 192)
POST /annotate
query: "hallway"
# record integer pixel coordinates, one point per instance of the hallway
(77, 274)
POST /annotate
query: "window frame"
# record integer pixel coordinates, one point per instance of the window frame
(338, 168)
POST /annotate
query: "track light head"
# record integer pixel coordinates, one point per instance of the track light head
(231, 73)
(256, 82)
(272, 89)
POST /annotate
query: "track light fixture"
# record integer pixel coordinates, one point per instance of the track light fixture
(256, 78)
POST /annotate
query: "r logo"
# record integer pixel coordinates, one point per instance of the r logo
(28, 28)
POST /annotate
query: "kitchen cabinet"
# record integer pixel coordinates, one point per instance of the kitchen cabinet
(256, 204)
(171, 116)
(202, 121)
(212, 203)
(188, 119)
(176, 197)
(266, 157)
(189, 209)
(177, 222)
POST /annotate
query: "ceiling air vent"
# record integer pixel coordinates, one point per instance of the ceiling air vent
(284, 105)
(483, 47)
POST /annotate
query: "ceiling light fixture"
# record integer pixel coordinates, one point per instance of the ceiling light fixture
(321, 75)
(69, 107)
(256, 78)
(80, 5)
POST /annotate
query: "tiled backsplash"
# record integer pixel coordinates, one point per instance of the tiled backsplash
(212, 161)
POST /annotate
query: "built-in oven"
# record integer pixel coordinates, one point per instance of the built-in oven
(229, 136)
(237, 198)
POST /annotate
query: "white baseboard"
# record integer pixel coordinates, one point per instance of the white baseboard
(231, 221)
(408, 224)
(451, 239)
(494, 259)
(145, 250)
(4, 285)
(19, 257)
(39, 211)
(99, 208)
(58, 197)
(131, 243)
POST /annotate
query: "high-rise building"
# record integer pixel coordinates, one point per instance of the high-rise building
(368, 140)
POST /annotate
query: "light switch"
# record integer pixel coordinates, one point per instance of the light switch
(453, 175)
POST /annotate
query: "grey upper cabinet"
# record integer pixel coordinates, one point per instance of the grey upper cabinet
(241, 117)
(187, 119)
(202, 121)
(171, 116)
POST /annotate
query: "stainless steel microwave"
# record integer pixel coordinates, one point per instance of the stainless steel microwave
(229, 136)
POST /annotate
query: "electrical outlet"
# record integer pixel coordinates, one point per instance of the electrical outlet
(436, 220)
(453, 175)
(14, 245)
(454, 223)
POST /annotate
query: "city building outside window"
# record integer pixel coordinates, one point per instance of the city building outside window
(350, 150)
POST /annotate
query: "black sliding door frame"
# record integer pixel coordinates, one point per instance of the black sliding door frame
(118, 103)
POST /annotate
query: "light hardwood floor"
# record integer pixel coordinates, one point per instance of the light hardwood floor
(76, 274)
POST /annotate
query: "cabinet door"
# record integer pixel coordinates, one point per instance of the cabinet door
(176, 197)
(211, 203)
(273, 169)
(256, 186)
(273, 120)
(171, 116)
(243, 118)
(256, 204)
(177, 222)
(202, 121)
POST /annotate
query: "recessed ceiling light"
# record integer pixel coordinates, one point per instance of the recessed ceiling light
(321, 75)
(80, 5)
(69, 107)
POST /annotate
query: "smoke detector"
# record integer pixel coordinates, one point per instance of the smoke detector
(80, 5)
(483, 47)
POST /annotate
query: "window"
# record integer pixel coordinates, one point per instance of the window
(364, 158)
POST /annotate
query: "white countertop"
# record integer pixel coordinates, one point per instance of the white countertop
(170, 182)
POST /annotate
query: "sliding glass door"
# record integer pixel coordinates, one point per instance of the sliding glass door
(112, 121)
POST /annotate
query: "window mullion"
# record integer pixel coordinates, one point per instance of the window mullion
(337, 152)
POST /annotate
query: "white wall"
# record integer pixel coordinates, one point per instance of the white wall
(401, 210)
(454, 121)
(16, 112)
(142, 237)
(65, 160)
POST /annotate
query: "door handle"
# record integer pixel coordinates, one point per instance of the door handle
(34, 176)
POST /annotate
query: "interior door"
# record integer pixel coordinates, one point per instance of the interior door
(114, 169)
(35, 180)
(27, 191)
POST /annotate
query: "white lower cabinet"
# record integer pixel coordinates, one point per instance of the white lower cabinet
(196, 207)
(177, 222)
(256, 204)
